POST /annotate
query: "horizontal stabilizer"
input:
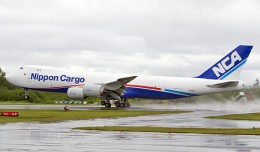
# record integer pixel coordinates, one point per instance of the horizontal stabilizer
(224, 84)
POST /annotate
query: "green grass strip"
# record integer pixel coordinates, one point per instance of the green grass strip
(16, 103)
(248, 116)
(39, 115)
(176, 130)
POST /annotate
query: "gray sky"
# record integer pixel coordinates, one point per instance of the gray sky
(157, 37)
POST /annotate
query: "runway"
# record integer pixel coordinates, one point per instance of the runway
(71, 107)
(60, 137)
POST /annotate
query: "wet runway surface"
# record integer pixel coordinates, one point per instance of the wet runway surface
(60, 136)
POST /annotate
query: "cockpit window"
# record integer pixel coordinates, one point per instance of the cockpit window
(21, 68)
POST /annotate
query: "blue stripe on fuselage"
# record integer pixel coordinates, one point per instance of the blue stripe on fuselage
(180, 92)
(149, 94)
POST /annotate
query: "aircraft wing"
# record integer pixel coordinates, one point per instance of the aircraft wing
(119, 83)
(116, 88)
(224, 84)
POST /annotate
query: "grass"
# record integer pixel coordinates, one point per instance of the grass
(39, 115)
(176, 130)
(33, 103)
(249, 116)
(16, 103)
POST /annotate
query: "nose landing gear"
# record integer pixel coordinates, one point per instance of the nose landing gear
(26, 96)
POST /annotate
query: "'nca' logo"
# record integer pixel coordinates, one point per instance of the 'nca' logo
(223, 67)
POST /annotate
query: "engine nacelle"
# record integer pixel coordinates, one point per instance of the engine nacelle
(93, 90)
(76, 93)
(89, 90)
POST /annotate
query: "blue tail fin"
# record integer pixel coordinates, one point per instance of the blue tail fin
(230, 66)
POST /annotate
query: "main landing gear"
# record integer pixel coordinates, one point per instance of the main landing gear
(122, 103)
(118, 103)
(107, 104)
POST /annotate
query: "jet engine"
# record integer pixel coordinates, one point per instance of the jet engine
(89, 90)
(95, 90)
(75, 93)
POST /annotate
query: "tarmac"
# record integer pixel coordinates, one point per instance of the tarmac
(60, 136)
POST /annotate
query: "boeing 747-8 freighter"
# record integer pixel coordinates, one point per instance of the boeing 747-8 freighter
(222, 76)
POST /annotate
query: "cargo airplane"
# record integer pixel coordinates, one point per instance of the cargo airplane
(222, 76)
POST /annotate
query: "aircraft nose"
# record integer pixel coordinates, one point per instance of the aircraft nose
(10, 77)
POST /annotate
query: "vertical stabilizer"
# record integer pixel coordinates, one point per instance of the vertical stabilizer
(230, 66)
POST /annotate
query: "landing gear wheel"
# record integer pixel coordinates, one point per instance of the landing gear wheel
(117, 104)
(122, 105)
(108, 105)
(26, 97)
(103, 103)
(127, 104)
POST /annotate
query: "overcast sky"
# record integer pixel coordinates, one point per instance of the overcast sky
(154, 37)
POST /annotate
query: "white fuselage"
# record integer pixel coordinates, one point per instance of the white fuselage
(152, 87)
